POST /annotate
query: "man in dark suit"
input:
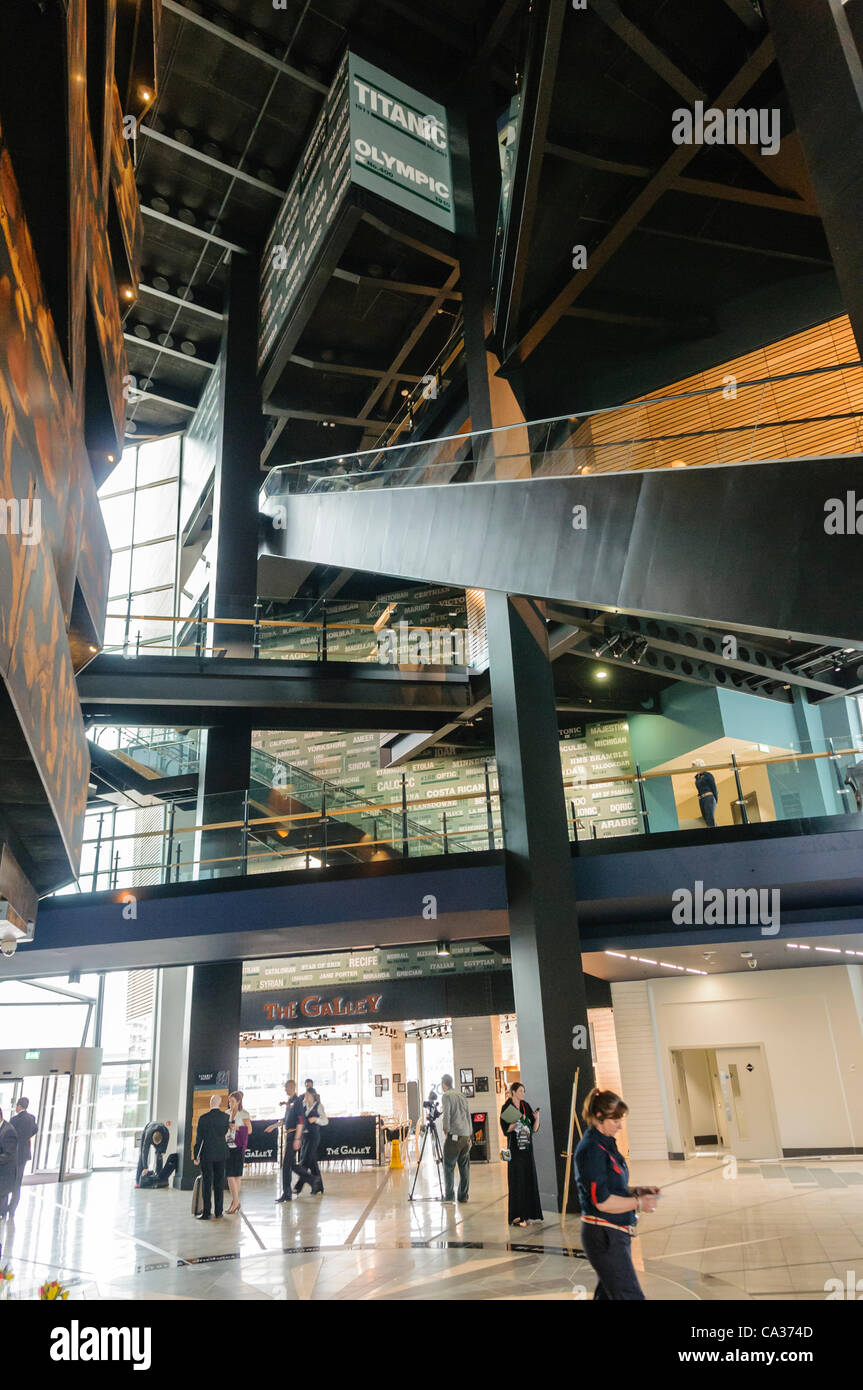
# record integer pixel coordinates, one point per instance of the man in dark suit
(25, 1127)
(211, 1154)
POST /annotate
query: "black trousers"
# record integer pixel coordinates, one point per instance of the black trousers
(213, 1184)
(707, 805)
(610, 1254)
(308, 1166)
(15, 1194)
(290, 1162)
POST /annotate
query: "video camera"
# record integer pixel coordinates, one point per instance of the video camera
(431, 1107)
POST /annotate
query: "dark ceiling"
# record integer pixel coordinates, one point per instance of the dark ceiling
(728, 255)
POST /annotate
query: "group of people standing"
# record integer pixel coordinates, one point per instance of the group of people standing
(221, 1140)
(302, 1122)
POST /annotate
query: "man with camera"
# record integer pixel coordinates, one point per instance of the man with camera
(456, 1150)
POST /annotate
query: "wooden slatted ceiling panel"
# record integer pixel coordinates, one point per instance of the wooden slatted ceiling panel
(753, 424)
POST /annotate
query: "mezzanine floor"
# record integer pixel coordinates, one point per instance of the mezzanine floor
(776, 1231)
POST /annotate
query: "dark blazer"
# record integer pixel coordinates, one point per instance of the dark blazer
(8, 1157)
(210, 1143)
(25, 1127)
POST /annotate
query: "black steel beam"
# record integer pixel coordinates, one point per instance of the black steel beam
(543, 49)
(261, 55)
(817, 54)
(764, 564)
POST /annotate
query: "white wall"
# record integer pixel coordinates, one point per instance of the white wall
(807, 1020)
(640, 1076)
(476, 1044)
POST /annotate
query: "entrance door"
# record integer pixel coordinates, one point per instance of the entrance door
(10, 1090)
(748, 1101)
(51, 1119)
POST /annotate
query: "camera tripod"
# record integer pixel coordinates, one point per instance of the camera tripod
(431, 1129)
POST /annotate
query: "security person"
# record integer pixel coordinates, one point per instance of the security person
(292, 1123)
(609, 1206)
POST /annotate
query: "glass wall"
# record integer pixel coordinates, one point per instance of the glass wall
(113, 1011)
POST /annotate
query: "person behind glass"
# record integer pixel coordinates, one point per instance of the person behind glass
(239, 1130)
(315, 1119)
(211, 1155)
(8, 1164)
(705, 785)
(292, 1123)
(25, 1127)
(524, 1204)
(609, 1206)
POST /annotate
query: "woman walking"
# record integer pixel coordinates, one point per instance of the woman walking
(609, 1206)
(519, 1128)
(238, 1141)
(314, 1118)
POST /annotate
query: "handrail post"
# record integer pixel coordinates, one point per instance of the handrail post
(324, 630)
(445, 839)
(178, 851)
(840, 781)
(172, 808)
(324, 828)
(574, 819)
(98, 850)
(645, 819)
(256, 634)
(489, 818)
(405, 843)
(744, 814)
(245, 833)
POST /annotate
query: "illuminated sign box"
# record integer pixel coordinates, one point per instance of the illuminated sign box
(373, 134)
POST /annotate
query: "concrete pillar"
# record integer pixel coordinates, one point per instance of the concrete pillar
(476, 1045)
(168, 1046)
(211, 1046)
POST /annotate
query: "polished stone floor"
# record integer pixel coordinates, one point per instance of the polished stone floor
(772, 1231)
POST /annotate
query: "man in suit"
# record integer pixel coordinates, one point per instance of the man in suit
(25, 1127)
(8, 1164)
(211, 1154)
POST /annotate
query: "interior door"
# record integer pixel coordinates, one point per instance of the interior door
(681, 1096)
(748, 1102)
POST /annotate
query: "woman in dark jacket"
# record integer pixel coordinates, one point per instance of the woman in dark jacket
(524, 1204)
(609, 1206)
(8, 1163)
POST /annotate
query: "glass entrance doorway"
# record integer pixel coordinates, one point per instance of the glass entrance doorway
(60, 1084)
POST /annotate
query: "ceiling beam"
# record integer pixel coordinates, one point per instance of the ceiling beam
(179, 302)
(397, 286)
(169, 352)
(634, 215)
(286, 69)
(747, 13)
(140, 395)
(611, 14)
(192, 231)
(292, 413)
(231, 170)
(408, 346)
(696, 239)
(543, 51)
(407, 240)
(703, 188)
(273, 439)
(342, 369)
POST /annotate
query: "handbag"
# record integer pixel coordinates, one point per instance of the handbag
(198, 1196)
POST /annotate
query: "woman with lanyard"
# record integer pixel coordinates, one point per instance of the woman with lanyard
(519, 1128)
(609, 1206)
(237, 1136)
(315, 1117)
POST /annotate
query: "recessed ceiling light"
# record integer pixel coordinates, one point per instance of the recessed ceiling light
(602, 675)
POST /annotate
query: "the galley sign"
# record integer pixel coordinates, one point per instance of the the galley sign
(309, 1008)
(400, 143)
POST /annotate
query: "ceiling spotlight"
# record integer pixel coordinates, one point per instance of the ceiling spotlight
(443, 948)
(639, 650)
(602, 675)
(608, 645)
